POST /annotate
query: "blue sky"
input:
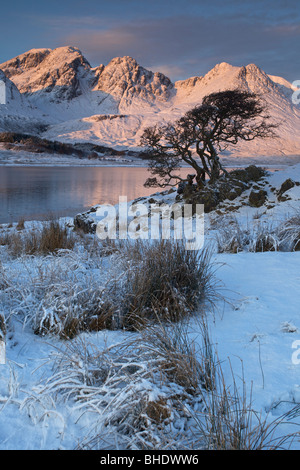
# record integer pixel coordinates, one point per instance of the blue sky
(181, 38)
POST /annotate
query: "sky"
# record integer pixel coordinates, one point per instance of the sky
(180, 38)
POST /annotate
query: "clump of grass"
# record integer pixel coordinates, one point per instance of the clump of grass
(51, 238)
(152, 282)
(5, 238)
(289, 233)
(21, 224)
(68, 310)
(165, 281)
(232, 237)
(177, 357)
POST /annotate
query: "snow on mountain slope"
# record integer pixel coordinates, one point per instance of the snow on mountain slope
(285, 86)
(82, 103)
(16, 113)
(189, 93)
(251, 78)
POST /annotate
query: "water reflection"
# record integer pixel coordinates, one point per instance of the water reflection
(35, 192)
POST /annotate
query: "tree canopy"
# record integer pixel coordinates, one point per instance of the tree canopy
(223, 119)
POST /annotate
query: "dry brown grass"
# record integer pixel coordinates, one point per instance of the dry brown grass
(165, 281)
(177, 357)
(21, 224)
(51, 238)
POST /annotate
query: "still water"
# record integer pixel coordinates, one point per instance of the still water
(35, 193)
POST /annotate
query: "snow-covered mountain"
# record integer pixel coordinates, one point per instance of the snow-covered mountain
(112, 104)
(17, 114)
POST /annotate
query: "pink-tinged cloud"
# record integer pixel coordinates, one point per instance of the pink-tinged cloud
(182, 46)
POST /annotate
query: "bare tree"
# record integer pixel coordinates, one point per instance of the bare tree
(224, 118)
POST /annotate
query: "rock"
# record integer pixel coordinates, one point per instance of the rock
(181, 186)
(248, 174)
(286, 185)
(212, 194)
(207, 196)
(229, 188)
(85, 222)
(56, 74)
(257, 198)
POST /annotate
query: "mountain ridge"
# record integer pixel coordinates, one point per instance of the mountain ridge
(59, 87)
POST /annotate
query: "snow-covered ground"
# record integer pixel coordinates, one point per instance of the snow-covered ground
(47, 397)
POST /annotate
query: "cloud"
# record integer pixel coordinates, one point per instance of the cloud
(189, 45)
(183, 45)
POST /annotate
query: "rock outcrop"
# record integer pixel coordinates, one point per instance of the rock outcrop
(55, 73)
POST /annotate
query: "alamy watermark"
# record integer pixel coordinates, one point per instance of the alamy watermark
(152, 222)
(296, 353)
(2, 92)
(2, 340)
(296, 94)
(2, 351)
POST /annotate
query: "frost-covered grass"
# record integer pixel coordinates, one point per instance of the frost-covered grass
(136, 346)
(154, 390)
(69, 291)
(162, 387)
(42, 240)
(165, 281)
(259, 236)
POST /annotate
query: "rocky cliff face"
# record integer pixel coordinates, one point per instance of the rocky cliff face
(125, 79)
(64, 73)
(57, 73)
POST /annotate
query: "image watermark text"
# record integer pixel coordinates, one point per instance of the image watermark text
(152, 222)
(2, 92)
(296, 94)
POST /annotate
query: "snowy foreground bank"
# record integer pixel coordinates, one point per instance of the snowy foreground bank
(113, 389)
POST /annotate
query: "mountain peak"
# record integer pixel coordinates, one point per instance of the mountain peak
(255, 79)
(52, 71)
(222, 67)
(124, 60)
(125, 79)
(60, 88)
